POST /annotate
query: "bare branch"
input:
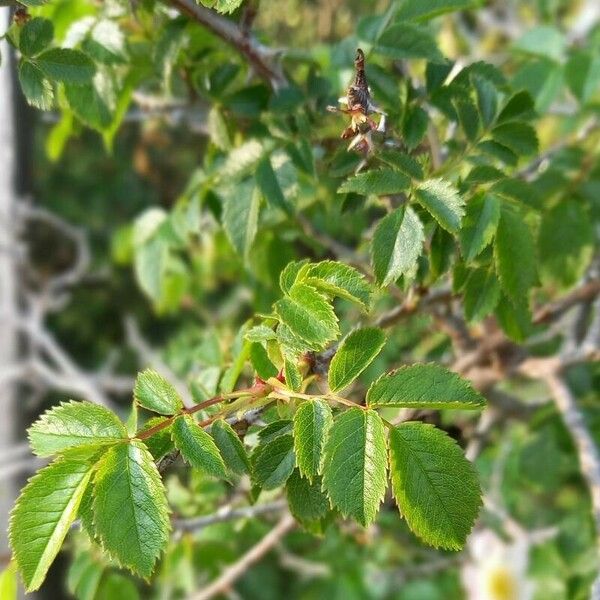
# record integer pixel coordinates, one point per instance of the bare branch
(237, 569)
(259, 57)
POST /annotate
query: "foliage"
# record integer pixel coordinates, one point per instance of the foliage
(333, 246)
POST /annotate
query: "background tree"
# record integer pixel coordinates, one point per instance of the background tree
(311, 316)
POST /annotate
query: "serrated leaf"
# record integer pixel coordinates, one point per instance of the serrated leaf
(290, 274)
(435, 486)
(514, 253)
(269, 185)
(340, 280)
(520, 105)
(443, 202)
(273, 461)
(197, 447)
(519, 137)
(154, 392)
(356, 352)
(479, 224)
(131, 514)
(481, 294)
(43, 515)
(308, 314)
(35, 35)
(260, 333)
(396, 246)
(293, 377)
(399, 160)
(37, 89)
(377, 182)
(66, 65)
(261, 362)
(74, 425)
(312, 422)
(354, 467)
(231, 447)
(428, 386)
(240, 216)
(306, 500)
(222, 6)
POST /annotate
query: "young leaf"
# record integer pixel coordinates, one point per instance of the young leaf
(290, 273)
(307, 501)
(35, 35)
(231, 447)
(66, 65)
(479, 225)
(312, 422)
(378, 182)
(428, 386)
(354, 467)
(154, 392)
(273, 461)
(354, 355)
(43, 515)
(443, 202)
(197, 447)
(130, 507)
(74, 425)
(514, 253)
(340, 280)
(396, 245)
(308, 314)
(435, 486)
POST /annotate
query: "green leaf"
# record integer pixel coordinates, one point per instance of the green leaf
(519, 137)
(43, 515)
(543, 41)
(481, 294)
(354, 467)
(354, 355)
(222, 6)
(217, 129)
(290, 274)
(565, 243)
(8, 582)
(154, 392)
(479, 224)
(378, 182)
(197, 447)
(514, 317)
(261, 362)
(519, 106)
(428, 386)
(396, 245)
(443, 202)
(273, 461)
(231, 447)
(405, 40)
(582, 73)
(161, 442)
(269, 185)
(240, 216)
(306, 500)
(339, 280)
(131, 514)
(84, 576)
(423, 10)
(435, 486)
(114, 585)
(414, 126)
(74, 425)
(514, 253)
(91, 102)
(35, 35)
(36, 88)
(308, 314)
(312, 422)
(399, 160)
(66, 65)
(293, 377)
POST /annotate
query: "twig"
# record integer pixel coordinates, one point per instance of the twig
(259, 57)
(237, 569)
(228, 513)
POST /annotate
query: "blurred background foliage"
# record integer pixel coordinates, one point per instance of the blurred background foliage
(143, 163)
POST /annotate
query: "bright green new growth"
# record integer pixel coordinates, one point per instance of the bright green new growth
(312, 423)
(43, 515)
(435, 486)
(197, 447)
(74, 425)
(355, 463)
(154, 392)
(356, 352)
(428, 386)
(131, 515)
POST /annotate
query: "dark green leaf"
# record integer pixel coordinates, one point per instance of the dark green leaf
(312, 422)
(307, 501)
(37, 89)
(519, 137)
(231, 447)
(35, 35)
(273, 461)
(479, 224)
(443, 202)
(377, 182)
(66, 65)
